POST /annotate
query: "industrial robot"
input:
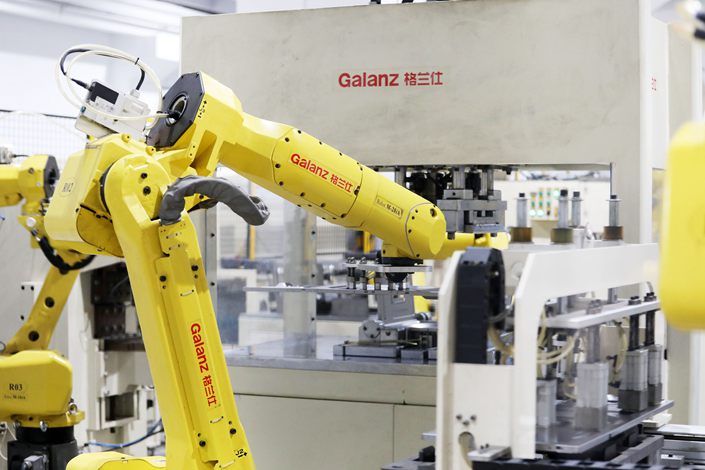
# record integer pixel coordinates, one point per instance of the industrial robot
(45, 415)
(124, 197)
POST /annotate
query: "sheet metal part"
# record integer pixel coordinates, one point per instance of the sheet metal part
(272, 355)
(611, 312)
(563, 437)
(428, 292)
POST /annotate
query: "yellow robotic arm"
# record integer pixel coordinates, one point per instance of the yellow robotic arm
(209, 127)
(131, 199)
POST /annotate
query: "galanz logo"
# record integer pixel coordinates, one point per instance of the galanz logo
(198, 343)
(309, 165)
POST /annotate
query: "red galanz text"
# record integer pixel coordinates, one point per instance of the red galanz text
(318, 170)
(200, 349)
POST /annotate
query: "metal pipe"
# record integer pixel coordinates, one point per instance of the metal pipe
(522, 211)
(576, 209)
(614, 210)
(650, 337)
(487, 179)
(459, 177)
(400, 176)
(634, 332)
(593, 345)
(563, 209)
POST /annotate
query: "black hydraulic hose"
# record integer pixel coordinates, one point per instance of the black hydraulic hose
(250, 208)
(57, 261)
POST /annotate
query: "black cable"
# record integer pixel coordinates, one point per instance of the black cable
(82, 83)
(57, 261)
(61, 66)
(139, 84)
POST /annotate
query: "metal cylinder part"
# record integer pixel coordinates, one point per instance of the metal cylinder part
(400, 175)
(546, 402)
(650, 337)
(633, 389)
(655, 382)
(522, 211)
(614, 210)
(378, 281)
(520, 234)
(576, 209)
(563, 209)
(592, 385)
(633, 332)
(459, 177)
(654, 368)
(635, 370)
(593, 344)
(487, 182)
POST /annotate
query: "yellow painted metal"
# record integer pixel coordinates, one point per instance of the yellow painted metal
(71, 417)
(37, 330)
(24, 181)
(421, 304)
(251, 242)
(35, 383)
(9, 185)
(367, 242)
(178, 326)
(683, 230)
(115, 461)
(76, 218)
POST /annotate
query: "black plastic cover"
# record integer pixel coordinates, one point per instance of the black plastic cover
(479, 296)
(167, 131)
